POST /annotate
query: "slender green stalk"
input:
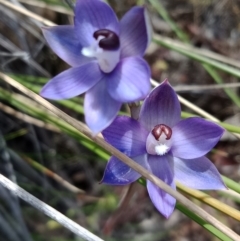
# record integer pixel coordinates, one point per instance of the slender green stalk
(234, 97)
(208, 65)
(196, 218)
(170, 44)
(164, 14)
(211, 201)
(231, 184)
(204, 224)
(205, 61)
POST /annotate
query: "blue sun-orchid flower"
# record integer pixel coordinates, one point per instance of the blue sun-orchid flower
(106, 59)
(170, 148)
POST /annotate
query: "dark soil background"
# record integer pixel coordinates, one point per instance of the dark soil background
(210, 24)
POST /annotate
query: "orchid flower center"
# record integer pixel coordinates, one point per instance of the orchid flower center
(159, 140)
(105, 48)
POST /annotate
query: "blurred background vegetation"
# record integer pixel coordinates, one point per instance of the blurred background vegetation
(44, 154)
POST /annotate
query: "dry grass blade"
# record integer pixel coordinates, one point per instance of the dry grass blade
(27, 118)
(203, 197)
(113, 151)
(55, 8)
(27, 13)
(53, 175)
(49, 211)
(180, 88)
(202, 52)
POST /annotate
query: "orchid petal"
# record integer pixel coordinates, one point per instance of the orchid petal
(160, 107)
(118, 173)
(99, 107)
(93, 15)
(135, 32)
(162, 168)
(194, 137)
(130, 81)
(63, 41)
(127, 135)
(72, 82)
(199, 173)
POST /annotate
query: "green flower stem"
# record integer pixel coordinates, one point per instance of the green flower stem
(207, 63)
(164, 14)
(196, 218)
(212, 202)
(203, 223)
(231, 184)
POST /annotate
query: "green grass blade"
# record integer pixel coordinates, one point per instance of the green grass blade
(203, 223)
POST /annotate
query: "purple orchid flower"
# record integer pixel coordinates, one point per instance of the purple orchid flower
(106, 60)
(170, 148)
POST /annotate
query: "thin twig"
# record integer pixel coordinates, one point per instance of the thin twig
(7, 44)
(52, 7)
(48, 210)
(128, 161)
(202, 52)
(180, 88)
(27, 13)
(216, 204)
(53, 175)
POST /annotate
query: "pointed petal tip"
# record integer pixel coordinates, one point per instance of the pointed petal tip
(118, 173)
(92, 15)
(43, 93)
(161, 106)
(136, 32)
(166, 82)
(199, 173)
(44, 28)
(167, 215)
(72, 82)
(194, 137)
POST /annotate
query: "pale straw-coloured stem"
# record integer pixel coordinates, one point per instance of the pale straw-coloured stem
(205, 198)
(48, 210)
(128, 161)
(42, 4)
(27, 13)
(27, 118)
